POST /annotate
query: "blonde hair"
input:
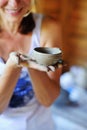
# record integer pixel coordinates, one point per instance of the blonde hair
(30, 8)
(1, 22)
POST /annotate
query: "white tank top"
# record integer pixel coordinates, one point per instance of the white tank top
(32, 116)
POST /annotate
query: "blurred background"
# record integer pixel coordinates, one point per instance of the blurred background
(70, 109)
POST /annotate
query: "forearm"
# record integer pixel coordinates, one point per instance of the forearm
(7, 84)
(46, 89)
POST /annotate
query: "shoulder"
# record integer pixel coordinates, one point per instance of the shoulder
(51, 24)
(38, 21)
(37, 17)
(51, 32)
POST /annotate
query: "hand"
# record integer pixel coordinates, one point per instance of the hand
(20, 60)
(31, 63)
(13, 59)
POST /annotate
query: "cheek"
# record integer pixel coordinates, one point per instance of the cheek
(3, 2)
(27, 1)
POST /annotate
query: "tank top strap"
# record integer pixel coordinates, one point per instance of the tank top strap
(2, 66)
(36, 31)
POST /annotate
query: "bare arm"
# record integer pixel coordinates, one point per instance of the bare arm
(8, 82)
(46, 85)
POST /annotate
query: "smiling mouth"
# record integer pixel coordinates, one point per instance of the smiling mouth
(13, 11)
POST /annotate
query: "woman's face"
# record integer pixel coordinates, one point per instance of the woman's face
(14, 10)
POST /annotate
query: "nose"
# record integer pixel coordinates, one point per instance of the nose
(13, 3)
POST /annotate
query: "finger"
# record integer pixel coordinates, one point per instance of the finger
(51, 68)
(24, 57)
(59, 66)
(34, 65)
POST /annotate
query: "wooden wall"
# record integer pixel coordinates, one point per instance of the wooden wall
(73, 17)
(47, 7)
(75, 33)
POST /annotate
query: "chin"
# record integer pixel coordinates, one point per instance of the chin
(13, 19)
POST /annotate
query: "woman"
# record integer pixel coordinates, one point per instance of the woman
(25, 94)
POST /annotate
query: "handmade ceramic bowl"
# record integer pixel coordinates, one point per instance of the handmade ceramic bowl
(47, 56)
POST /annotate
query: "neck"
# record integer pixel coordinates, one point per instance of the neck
(10, 27)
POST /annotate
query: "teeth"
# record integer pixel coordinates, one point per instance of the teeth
(13, 10)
